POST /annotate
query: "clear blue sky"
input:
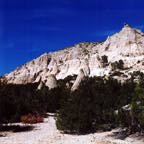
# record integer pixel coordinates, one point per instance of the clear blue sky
(29, 28)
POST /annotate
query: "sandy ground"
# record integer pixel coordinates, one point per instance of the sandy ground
(46, 133)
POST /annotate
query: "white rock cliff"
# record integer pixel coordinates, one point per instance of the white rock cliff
(127, 45)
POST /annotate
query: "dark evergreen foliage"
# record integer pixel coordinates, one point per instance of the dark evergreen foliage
(18, 100)
(104, 59)
(92, 105)
(117, 65)
(99, 103)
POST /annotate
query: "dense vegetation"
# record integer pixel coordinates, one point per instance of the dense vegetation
(19, 100)
(93, 105)
(132, 115)
(99, 103)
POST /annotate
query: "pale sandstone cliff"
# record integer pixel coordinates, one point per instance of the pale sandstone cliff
(128, 45)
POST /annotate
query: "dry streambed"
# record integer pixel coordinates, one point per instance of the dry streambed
(47, 133)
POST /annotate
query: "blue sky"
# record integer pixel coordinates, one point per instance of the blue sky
(29, 28)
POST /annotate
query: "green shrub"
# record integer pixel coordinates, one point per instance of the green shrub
(104, 60)
(117, 65)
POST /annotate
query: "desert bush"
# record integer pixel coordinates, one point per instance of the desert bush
(117, 65)
(117, 73)
(31, 119)
(104, 59)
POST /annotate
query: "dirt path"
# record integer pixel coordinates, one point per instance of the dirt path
(47, 133)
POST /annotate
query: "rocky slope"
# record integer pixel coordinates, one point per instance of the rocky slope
(126, 45)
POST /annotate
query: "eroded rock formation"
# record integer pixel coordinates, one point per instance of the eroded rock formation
(126, 45)
(51, 81)
(79, 79)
